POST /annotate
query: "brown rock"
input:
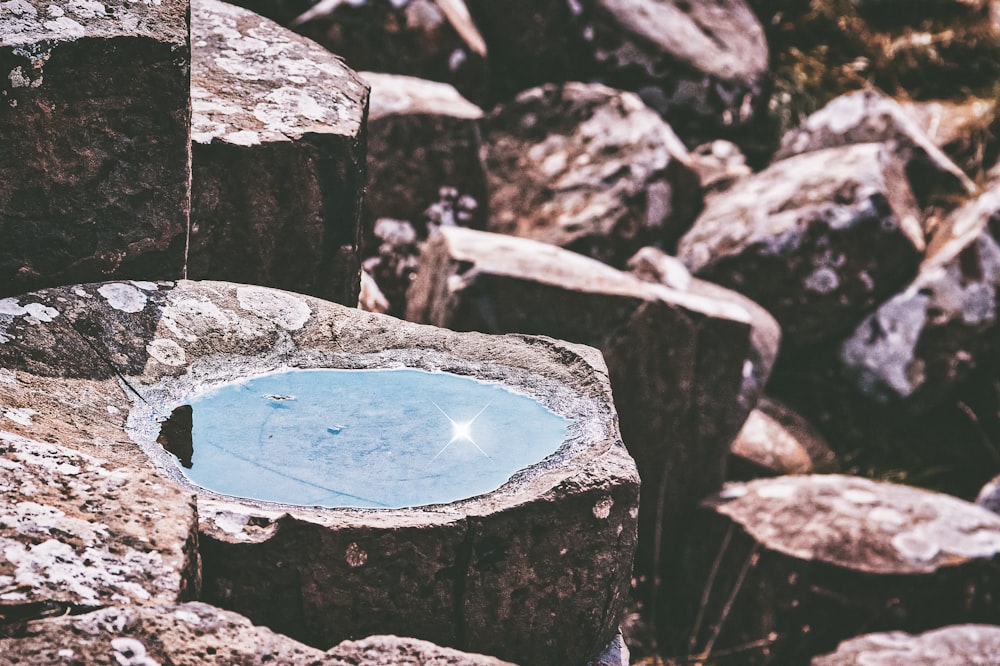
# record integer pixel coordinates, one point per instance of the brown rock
(653, 265)
(989, 495)
(536, 570)
(719, 164)
(870, 117)
(189, 634)
(531, 43)
(702, 65)
(676, 358)
(279, 157)
(921, 343)
(61, 358)
(422, 136)
(397, 247)
(815, 239)
(411, 37)
(371, 298)
(804, 562)
(94, 164)
(775, 440)
(957, 645)
(590, 169)
(965, 130)
(380, 650)
(78, 532)
(279, 11)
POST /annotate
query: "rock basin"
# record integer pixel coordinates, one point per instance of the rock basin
(533, 571)
(360, 438)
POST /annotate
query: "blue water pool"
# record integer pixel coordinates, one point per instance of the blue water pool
(365, 438)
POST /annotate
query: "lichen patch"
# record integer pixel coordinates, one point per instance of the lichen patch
(122, 296)
(21, 416)
(860, 524)
(285, 310)
(167, 352)
(65, 533)
(241, 67)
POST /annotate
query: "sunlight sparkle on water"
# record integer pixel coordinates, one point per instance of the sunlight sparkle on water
(366, 438)
(460, 431)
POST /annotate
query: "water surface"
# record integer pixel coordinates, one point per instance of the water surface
(365, 438)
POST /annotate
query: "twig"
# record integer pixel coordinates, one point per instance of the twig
(728, 607)
(706, 592)
(983, 437)
(729, 652)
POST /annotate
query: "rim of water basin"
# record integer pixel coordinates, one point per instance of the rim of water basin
(590, 431)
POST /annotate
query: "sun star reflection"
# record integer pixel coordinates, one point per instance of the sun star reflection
(461, 431)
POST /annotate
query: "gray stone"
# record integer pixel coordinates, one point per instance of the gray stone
(424, 170)
(989, 495)
(917, 346)
(615, 654)
(278, 157)
(394, 264)
(957, 645)
(816, 239)
(653, 265)
(558, 538)
(381, 650)
(94, 164)
(809, 561)
(701, 64)
(422, 136)
(590, 169)
(371, 298)
(77, 532)
(719, 164)
(410, 37)
(963, 129)
(530, 43)
(279, 11)
(868, 116)
(60, 357)
(775, 440)
(677, 358)
(190, 634)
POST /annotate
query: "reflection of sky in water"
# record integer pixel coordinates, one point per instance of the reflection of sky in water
(365, 438)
